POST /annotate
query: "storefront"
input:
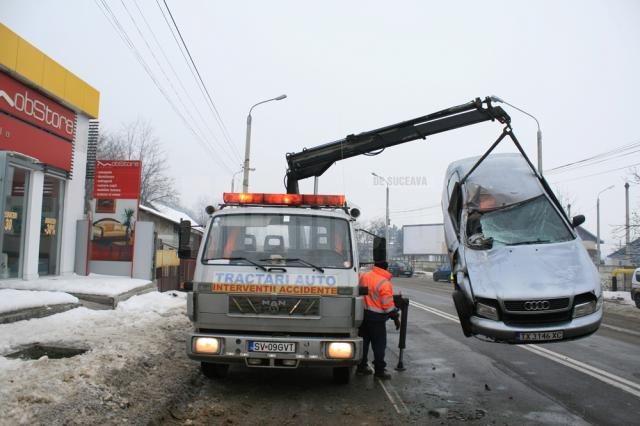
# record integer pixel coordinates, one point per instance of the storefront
(44, 122)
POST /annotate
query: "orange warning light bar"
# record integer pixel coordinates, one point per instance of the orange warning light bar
(284, 199)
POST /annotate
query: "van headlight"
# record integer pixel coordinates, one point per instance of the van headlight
(587, 308)
(486, 311)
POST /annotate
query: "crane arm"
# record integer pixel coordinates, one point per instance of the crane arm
(315, 161)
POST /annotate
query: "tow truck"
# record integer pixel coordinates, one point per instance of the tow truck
(276, 277)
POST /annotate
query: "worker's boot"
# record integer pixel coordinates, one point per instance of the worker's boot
(382, 375)
(363, 370)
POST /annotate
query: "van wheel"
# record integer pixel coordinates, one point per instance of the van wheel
(214, 371)
(464, 312)
(342, 375)
(637, 300)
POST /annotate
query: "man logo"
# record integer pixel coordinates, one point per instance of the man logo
(537, 305)
(6, 97)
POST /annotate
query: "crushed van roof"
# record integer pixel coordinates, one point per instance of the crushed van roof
(500, 180)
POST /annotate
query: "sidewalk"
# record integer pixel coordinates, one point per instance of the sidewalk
(94, 291)
(17, 305)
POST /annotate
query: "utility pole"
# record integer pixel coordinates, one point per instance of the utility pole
(387, 222)
(598, 223)
(569, 210)
(626, 223)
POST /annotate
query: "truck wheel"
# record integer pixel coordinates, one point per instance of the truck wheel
(464, 312)
(342, 375)
(637, 300)
(214, 371)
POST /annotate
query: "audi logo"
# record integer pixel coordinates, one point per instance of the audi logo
(537, 305)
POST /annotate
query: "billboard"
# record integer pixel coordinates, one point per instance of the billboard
(423, 239)
(116, 196)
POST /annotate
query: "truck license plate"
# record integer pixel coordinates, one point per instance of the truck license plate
(540, 336)
(279, 347)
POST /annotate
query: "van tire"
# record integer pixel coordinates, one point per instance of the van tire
(464, 309)
(637, 300)
(342, 375)
(214, 371)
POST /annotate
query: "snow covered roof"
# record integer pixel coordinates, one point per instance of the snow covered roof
(169, 213)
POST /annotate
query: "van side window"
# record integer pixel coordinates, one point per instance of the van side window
(638, 276)
(452, 181)
(455, 205)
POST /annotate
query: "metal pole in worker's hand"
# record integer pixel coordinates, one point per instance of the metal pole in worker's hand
(402, 303)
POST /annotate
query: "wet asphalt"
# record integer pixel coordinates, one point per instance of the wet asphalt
(449, 379)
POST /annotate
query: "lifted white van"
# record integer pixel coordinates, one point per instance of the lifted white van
(521, 272)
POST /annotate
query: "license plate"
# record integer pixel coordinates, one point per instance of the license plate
(540, 336)
(274, 347)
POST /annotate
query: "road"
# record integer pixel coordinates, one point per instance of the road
(449, 379)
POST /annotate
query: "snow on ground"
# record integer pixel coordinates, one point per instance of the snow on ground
(14, 300)
(133, 340)
(623, 297)
(105, 285)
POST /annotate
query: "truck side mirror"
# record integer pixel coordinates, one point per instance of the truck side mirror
(379, 249)
(184, 240)
(578, 220)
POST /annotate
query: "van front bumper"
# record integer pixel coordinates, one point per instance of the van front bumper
(310, 351)
(498, 330)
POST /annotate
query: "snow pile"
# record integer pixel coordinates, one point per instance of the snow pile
(14, 300)
(104, 285)
(623, 297)
(126, 345)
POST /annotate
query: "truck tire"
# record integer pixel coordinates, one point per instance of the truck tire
(637, 300)
(214, 371)
(342, 375)
(464, 312)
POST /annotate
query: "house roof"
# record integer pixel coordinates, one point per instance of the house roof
(171, 214)
(586, 235)
(634, 252)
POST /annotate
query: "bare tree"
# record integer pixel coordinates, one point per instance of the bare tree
(137, 141)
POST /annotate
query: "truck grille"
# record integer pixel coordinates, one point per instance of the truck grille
(537, 318)
(519, 305)
(268, 305)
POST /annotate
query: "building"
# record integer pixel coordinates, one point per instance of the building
(45, 113)
(169, 269)
(590, 243)
(622, 259)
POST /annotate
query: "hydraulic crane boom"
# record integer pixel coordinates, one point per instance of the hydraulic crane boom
(315, 161)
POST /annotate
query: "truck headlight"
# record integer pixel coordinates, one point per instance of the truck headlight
(486, 311)
(340, 350)
(583, 309)
(206, 345)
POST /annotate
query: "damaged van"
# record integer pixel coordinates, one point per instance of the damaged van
(520, 270)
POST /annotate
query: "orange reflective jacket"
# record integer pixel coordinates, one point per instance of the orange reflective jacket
(380, 297)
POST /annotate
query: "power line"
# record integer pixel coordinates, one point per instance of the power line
(169, 80)
(613, 153)
(416, 209)
(597, 174)
(208, 95)
(115, 23)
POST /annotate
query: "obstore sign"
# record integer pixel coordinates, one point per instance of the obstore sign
(32, 124)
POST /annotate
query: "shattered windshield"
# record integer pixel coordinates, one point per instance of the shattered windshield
(280, 240)
(531, 222)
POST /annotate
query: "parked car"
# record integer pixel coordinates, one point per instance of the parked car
(521, 272)
(635, 287)
(443, 273)
(400, 269)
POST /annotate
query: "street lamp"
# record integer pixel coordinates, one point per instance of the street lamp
(598, 220)
(233, 179)
(386, 222)
(497, 99)
(247, 147)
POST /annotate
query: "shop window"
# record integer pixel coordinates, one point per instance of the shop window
(15, 209)
(50, 226)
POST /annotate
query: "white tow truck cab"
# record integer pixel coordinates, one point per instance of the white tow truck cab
(276, 285)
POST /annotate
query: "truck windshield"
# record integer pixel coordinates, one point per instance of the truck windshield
(279, 240)
(534, 221)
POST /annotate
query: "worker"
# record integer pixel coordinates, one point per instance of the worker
(378, 308)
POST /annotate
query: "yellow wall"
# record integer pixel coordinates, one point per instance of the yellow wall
(21, 57)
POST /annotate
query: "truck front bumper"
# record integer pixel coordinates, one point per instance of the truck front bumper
(309, 351)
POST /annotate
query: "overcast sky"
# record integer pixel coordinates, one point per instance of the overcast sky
(348, 67)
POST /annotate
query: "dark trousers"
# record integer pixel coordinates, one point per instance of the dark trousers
(374, 331)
